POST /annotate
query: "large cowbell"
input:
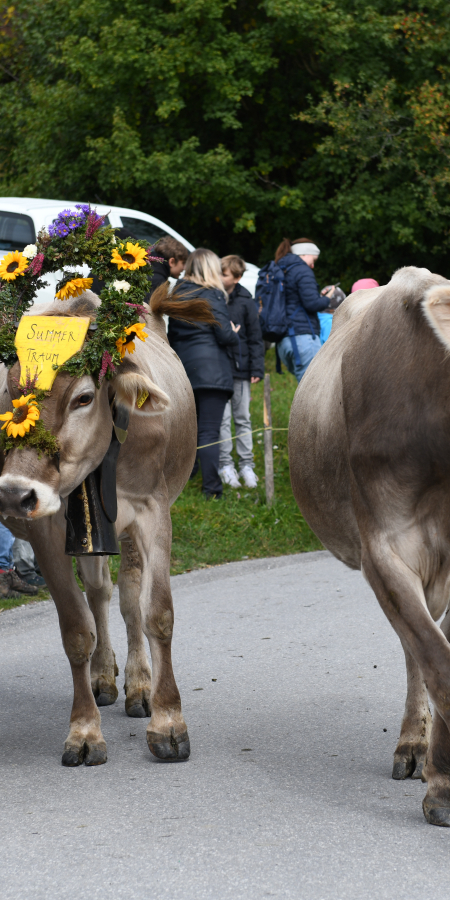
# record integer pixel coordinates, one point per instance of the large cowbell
(91, 509)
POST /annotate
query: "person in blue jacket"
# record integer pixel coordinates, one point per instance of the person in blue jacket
(303, 301)
(205, 351)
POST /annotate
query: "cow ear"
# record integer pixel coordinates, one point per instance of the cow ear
(139, 394)
(436, 307)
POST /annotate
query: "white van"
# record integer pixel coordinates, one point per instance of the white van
(21, 218)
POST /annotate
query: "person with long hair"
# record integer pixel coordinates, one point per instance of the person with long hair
(303, 301)
(204, 351)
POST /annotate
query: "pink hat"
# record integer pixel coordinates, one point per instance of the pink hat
(364, 284)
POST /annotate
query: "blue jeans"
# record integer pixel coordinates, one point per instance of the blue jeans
(307, 346)
(6, 542)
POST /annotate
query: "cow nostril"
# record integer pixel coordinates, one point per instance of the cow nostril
(29, 501)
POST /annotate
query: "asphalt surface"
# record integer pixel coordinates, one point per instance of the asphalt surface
(288, 791)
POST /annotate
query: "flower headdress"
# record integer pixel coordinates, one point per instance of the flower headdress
(76, 237)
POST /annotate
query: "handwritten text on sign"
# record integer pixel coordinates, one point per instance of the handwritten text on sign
(46, 341)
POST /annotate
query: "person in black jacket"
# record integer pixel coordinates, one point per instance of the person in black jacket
(174, 255)
(303, 302)
(248, 368)
(203, 350)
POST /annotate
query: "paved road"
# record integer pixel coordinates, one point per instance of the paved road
(287, 793)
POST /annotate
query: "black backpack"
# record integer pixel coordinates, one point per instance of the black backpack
(270, 302)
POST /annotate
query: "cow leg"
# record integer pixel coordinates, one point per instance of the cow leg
(94, 572)
(400, 594)
(167, 735)
(411, 750)
(85, 742)
(138, 676)
(436, 804)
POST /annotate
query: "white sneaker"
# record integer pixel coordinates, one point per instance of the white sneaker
(229, 476)
(248, 474)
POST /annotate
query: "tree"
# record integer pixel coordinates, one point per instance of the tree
(239, 122)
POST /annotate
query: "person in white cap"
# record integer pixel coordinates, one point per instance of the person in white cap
(303, 301)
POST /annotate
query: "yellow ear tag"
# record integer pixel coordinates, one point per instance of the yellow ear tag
(46, 341)
(141, 399)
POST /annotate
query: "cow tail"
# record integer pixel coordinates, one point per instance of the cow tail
(195, 310)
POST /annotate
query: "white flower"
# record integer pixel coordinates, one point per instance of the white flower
(30, 251)
(114, 239)
(121, 285)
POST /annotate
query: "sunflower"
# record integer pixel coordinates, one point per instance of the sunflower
(25, 414)
(74, 288)
(131, 258)
(132, 332)
(12, 265)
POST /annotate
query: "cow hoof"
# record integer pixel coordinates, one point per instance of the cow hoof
(105, 694)
(73, 756)
(170, 747)
(138, 707)
(409, 763)
(435, 812)
(96, 755)
(402, 769)
(418, 771)
(89, 754)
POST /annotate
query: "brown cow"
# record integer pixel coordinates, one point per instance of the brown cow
(369, 447)
(154, 465)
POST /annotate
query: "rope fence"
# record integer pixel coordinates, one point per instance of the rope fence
(242, 433)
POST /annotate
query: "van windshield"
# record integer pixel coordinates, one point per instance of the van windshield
(142, 230)
(16, 231)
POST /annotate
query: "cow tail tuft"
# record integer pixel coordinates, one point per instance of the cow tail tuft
(195, 310)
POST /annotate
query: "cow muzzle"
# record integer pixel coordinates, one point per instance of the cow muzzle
(25, 498)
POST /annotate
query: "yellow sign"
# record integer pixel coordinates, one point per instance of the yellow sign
(46, 341)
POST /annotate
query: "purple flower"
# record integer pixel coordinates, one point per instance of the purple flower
(94, 222)
(140, 309)
(84, 207)
(107, 363)
(70, 219)
(36, 264)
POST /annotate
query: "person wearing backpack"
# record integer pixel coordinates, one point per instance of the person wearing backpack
(289, 299)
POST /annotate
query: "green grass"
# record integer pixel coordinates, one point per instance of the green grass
(24, 599)
(240, 525)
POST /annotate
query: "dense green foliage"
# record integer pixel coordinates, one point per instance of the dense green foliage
(240, 121)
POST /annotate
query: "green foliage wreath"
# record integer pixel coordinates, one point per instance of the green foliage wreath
(74, 238)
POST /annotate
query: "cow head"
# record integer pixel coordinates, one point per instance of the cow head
(80, 416)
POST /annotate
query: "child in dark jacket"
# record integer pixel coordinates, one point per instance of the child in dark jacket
(173, 255)
(248, 368)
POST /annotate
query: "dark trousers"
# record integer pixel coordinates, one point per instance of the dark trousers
(210, 405)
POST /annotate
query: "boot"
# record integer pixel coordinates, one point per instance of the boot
(10, 580)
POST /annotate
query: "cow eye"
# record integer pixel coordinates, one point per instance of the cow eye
(84, 399)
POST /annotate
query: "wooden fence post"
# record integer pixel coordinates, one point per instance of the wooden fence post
(268, 451)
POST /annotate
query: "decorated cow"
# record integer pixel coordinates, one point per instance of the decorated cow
(98, 439)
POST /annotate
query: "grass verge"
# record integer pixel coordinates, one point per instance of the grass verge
(240, 525)
(24, 600)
